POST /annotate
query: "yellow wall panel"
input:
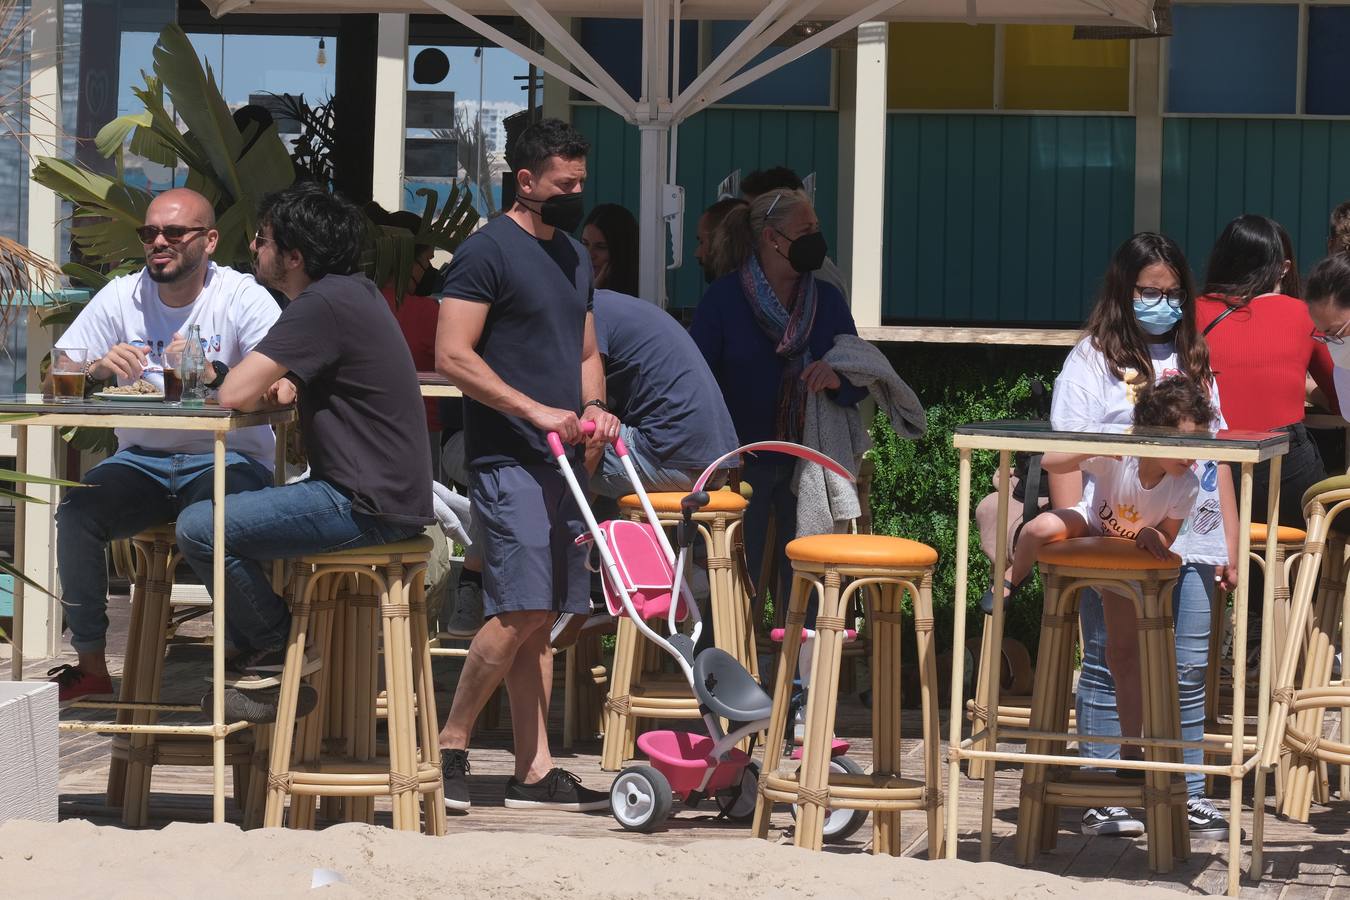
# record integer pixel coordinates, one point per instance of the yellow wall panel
(1045, 68)
(940, 66)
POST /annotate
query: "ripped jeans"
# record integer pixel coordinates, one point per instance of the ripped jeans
(1097, 691)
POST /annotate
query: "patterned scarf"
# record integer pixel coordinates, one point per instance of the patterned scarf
(790, 332)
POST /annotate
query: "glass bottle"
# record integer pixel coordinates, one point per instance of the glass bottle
(194, 364)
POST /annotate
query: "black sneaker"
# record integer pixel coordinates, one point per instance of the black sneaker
(1207, 823)
(559, 789)
(1114, 821)
(455, 779)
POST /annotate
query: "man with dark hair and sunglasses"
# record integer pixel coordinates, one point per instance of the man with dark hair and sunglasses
(155, 474)
(337, 351)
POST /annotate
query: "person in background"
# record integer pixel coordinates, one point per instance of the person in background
(778, 178)
(764, 330)
(1338, 229)
(1262, 351)
(418, 311)
(1141, 330)
(707, 226)
(610, 236)
(1328, 300)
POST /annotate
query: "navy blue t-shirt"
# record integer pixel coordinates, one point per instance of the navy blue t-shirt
(539, 293)
(660, 385)
(744, 359)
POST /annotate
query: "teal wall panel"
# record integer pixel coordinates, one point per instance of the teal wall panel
(711, 145)
(1216, 169)
(1003, 219)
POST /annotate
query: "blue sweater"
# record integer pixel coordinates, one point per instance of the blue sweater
(743, 360)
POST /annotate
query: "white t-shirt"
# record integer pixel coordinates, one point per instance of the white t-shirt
(1121, 506)
(234, 313)
(1087, 395)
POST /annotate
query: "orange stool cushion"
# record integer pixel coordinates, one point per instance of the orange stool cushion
(862, 550)
(718, 501)
(1108, 553)
(1284, 534)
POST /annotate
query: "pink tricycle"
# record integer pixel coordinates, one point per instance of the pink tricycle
(644, 579)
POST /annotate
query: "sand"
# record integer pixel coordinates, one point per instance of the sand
(76, 859)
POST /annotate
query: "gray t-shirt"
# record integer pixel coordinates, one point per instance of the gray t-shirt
(660, 384)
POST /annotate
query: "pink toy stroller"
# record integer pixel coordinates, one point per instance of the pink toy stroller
(644, 579)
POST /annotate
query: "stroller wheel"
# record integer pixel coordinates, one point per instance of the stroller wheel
(640, 799)
(737, 802)
(841, 824)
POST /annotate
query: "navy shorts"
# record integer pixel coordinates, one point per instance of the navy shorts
(527, 522)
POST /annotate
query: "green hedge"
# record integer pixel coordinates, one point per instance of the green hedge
(914, 491)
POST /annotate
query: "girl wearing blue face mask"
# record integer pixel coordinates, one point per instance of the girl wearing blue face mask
(1141, 330)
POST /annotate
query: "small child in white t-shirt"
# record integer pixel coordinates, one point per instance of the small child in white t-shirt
(1143, 500)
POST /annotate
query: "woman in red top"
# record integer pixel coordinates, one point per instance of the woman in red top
(1261, 350)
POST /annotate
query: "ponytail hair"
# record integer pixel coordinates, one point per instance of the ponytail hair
(738, 234)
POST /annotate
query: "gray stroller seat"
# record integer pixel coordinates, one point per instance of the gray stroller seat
(725, 688)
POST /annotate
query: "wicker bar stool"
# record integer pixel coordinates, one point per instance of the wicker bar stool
(890, 567)
(1302, 688)
(637, 690)
(1116, 566)
(357, 586)
(153, 558)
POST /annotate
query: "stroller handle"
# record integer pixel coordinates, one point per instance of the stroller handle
(587, 428)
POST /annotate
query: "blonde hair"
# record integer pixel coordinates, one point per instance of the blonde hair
(739, 232)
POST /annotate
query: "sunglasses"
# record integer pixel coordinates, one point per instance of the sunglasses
(173, 234)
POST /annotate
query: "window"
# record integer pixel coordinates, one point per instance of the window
(953, 66)
(1327, 90)
(614, 44)
(1234, 59)
(807, 81)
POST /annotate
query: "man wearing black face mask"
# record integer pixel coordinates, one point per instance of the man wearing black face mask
(516, 334)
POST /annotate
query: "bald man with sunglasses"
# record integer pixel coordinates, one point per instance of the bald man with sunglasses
(126, 330)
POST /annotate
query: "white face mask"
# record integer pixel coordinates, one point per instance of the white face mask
(1340, 355)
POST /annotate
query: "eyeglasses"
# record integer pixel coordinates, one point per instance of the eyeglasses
(1153, 296)
(1334, 338)
(261, 238)
(173, 234)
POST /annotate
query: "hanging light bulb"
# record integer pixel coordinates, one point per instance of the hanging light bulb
(322, 58)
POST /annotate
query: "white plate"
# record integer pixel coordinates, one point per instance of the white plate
(130, 398)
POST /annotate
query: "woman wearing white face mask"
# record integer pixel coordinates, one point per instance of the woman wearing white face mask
(1141, 330)
(1262, 350)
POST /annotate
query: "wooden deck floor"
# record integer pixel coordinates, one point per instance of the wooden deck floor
(1303, 862)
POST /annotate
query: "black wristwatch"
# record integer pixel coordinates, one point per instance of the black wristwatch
(596, 403)
(221, 371)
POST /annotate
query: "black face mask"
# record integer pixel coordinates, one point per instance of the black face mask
(807, 253)
(563, 211)
(431, 282)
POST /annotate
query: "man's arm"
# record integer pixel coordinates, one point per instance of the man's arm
(256, 382)
(457, 332)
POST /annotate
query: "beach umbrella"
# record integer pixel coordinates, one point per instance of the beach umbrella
(658, 110)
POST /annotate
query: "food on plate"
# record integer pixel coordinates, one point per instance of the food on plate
(141, 386)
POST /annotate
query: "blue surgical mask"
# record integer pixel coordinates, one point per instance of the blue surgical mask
(1157, 319)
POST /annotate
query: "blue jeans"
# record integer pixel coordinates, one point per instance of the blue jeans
(1097, 691)
(611, 480)
(127, 493)
(310, 516)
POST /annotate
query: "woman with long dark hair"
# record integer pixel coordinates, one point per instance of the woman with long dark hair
(1142, 330)
(1262, 350)
(610, 235)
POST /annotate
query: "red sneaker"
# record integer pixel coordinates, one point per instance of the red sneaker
(76, 684)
